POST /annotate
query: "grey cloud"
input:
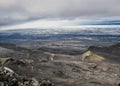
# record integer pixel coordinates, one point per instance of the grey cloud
(21, 10)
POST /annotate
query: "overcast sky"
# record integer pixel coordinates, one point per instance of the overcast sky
(17, 11)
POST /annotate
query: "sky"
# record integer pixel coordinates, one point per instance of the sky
(59, 12)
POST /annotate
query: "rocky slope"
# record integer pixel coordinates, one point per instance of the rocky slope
(91, 68)
(111, 52)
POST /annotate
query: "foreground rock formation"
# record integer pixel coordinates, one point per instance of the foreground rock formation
(9, 78)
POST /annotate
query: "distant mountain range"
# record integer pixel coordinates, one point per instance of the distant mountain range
(112, 22)
(86, 35)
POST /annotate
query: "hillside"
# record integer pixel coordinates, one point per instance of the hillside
(89, 68)
(111, 52)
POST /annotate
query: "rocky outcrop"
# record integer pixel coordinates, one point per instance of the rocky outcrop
(9, 78)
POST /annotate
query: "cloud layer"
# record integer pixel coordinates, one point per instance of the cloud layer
(12, 11)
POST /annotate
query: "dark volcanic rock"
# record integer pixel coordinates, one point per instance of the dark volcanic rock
(10, 78)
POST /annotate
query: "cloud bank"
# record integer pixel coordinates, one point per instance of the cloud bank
(13, 11)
